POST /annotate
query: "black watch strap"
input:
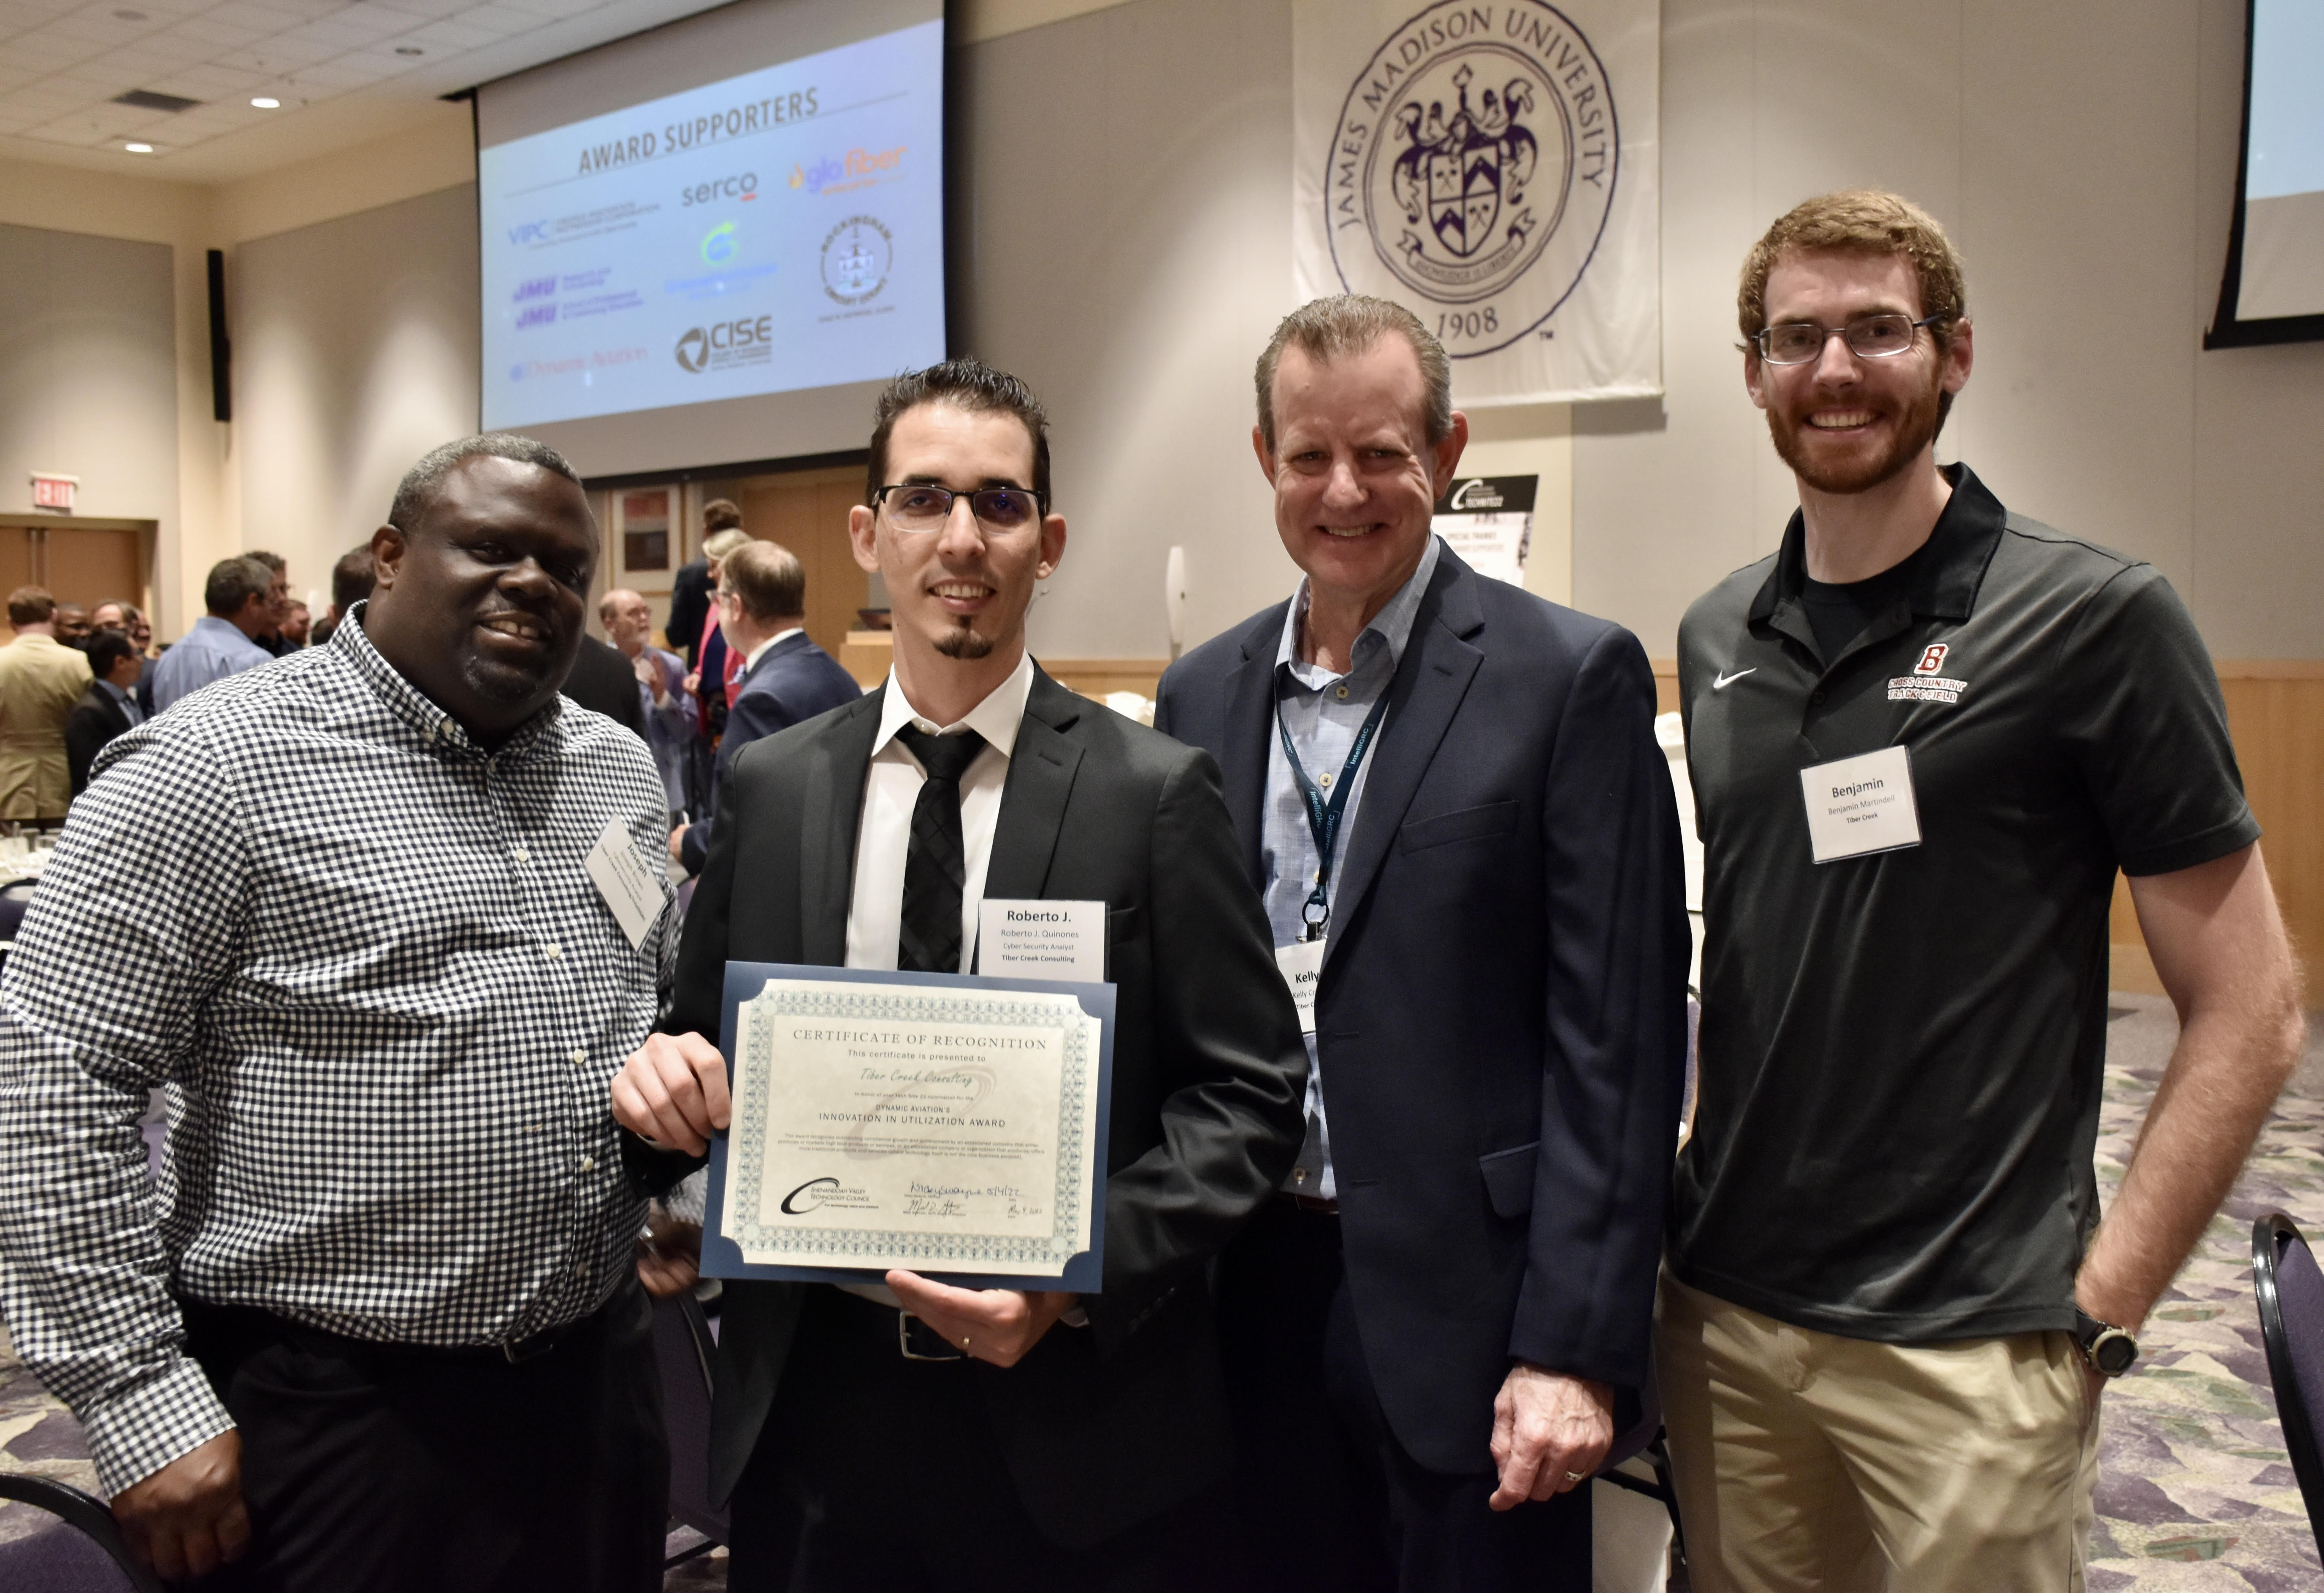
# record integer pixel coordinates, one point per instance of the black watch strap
(2109, 1351)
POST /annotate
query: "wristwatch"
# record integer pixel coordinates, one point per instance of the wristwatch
(2110, 1349)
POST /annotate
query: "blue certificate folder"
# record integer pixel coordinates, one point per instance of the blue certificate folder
(722, 1257)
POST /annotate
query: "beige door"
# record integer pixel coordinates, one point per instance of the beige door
(807, 511)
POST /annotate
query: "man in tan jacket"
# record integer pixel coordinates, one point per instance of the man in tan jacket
(41, 679)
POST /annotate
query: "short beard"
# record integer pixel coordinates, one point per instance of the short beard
(1915, 430)
(964, 644)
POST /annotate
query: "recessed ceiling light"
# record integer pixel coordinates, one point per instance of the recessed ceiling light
(267, 102)
(138, 149)
(408, 49)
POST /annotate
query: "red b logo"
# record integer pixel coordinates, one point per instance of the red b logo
(1932, 660)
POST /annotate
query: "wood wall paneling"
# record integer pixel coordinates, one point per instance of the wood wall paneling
(807, 511)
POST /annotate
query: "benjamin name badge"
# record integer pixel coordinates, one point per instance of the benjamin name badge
(1041, 940)
(1302, 966)
(633, 894)
(1861, 805)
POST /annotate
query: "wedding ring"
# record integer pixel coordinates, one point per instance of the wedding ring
(1577, 1477)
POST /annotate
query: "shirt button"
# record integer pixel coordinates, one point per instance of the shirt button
(588, 1163)
(523, 856)
(580, 1055)
(581, 1271)
(552, 951)
(1343, 693)
(1816, 697)
(1327, 777)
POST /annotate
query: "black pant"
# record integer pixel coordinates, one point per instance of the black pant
(1330, 1501)
(876, 1473)
(398, 1469)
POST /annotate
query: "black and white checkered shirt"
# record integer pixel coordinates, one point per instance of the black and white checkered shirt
(388, 1002)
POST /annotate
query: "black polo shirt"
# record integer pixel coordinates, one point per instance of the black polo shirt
(1901, 1051)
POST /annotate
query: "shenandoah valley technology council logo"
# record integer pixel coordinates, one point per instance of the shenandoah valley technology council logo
(856, 256)
(1472, 169)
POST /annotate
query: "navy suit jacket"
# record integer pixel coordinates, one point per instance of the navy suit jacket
(1501, 1015)
(792, 681)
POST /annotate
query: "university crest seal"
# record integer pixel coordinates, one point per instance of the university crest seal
(1472, 169)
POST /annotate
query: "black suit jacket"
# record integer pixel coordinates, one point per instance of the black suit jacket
(94, 720)
(689, 606)
(604, 679)
(792, 681)
(1104, 1426)
(1501, 1015)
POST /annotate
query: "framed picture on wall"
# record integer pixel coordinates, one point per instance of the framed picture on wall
(645, 537)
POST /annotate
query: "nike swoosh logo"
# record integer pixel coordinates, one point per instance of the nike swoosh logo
(1724, 681)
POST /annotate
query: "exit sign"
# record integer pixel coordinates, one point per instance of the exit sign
(53, 492)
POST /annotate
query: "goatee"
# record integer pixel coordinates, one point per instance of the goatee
(963, 643)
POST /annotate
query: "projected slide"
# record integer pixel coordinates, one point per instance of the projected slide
(776, 231)
(2283, 182)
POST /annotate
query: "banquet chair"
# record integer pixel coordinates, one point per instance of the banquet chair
(78, 1552)
(2290, 1290)
(682, 1347)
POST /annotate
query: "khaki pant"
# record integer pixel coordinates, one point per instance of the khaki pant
(1810, 1463)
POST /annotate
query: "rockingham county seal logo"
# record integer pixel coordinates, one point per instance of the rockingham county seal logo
(856, 256)
(1472, 169)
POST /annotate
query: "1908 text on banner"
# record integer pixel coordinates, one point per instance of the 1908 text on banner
(1492, 167)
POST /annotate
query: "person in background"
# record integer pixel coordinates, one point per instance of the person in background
(379, 1328)
(73, 625)
(1450, 794)
(690, 589)
(223, 642)
(351, 580)
(786, 678)
(278, 603)
(41, 679)
(667, 705)
(1924, 735)
(714, 661)
(116, 614)
(108, 707)
(296, 624)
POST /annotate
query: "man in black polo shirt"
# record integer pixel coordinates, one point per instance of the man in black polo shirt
(1923, 736)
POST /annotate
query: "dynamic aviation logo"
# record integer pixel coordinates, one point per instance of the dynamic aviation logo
(1472, 169)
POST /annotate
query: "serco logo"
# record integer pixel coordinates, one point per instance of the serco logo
(1473, 169)
(743, 187)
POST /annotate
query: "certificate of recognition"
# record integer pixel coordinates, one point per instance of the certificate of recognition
(951, 1125)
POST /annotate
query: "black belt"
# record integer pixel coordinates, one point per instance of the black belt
(914, 1339)
(248, 1322)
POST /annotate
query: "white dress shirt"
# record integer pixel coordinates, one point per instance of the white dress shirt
(875, 907)
(751, 659)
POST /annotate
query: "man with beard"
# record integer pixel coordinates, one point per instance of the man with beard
(380, 1326)
(1923, 736)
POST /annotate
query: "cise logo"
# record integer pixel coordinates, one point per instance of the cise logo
(744, 186)
(1472, 169)
(856, 256)
(720, 245)
(746, 342)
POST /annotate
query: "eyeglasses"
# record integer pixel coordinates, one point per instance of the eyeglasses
(1871, 338)
(918, 506)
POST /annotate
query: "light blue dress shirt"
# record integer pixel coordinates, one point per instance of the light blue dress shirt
(212, 650)
(1324, 712)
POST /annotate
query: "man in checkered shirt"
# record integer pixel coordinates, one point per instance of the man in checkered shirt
(381, 1327)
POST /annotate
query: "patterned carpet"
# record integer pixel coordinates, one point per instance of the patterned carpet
(2196, 1493)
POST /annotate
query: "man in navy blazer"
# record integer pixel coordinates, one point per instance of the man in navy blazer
(787, 679)
(1450, 794)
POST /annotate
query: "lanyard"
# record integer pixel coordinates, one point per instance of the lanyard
(1324, 817)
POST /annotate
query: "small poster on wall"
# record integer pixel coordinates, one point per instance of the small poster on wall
(1488, 520)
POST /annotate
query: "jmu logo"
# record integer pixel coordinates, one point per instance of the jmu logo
(1460, 174)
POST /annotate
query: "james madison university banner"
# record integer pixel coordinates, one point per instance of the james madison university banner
(1493, 168)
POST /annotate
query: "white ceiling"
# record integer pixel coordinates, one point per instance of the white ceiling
(344, 72)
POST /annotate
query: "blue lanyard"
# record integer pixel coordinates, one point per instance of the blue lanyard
(1324, 817)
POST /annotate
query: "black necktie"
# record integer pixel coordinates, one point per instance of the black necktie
(935, 864)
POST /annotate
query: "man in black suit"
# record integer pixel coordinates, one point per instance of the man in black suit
(787, 679)
(603, 680)
(1071, 1441)
(1450, 795)
(108, 707)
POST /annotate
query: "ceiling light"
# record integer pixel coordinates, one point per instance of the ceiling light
(408, 49)
(138, 149)
(267, 102)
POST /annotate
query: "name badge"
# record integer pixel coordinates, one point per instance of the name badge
(1861, 805)
(633, 894)
(1041, 940)
(1301, 964)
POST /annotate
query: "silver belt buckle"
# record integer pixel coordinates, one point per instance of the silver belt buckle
(904, 1320)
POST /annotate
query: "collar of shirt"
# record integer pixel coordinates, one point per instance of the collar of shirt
(222, 635)
(117, 694)
(1952, 561)
(1391, 628)
(760, 651)
(996, 718)
(539, 736)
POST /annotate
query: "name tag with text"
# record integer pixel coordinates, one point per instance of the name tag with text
(621, 877)
(1041, 940)
(1861, 805)
(1302, 965)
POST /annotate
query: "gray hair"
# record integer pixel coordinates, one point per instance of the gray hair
(417, 491)
(233, 582)
(1350, 323)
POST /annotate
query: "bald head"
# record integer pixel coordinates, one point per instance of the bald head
(628, 619)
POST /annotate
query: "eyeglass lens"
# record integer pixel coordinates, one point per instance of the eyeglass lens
(1794, 342)
(917, 508)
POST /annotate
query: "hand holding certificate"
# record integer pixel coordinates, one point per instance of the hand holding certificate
(945, 1124)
